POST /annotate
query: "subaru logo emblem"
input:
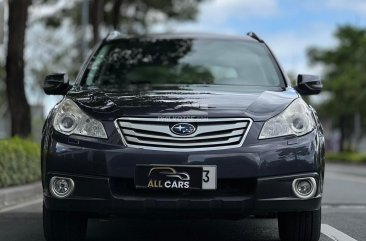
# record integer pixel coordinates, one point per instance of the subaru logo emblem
(183, 129)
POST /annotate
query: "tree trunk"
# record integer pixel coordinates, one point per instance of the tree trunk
(96, 17)
(116, 13)
(342, 136)
(357, 131)
(346, 134)
(17, 101)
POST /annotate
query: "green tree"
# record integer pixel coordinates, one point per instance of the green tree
(138, 16)
(345, 79)
(128, 16)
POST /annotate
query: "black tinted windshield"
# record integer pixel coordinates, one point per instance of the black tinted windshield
(182, 61)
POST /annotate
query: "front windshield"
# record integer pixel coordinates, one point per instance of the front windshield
(182, 61)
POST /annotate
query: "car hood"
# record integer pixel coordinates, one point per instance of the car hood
(212, 101)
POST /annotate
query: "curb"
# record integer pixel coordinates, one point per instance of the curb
(14, 195)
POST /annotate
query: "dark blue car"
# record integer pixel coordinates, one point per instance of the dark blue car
(182, 125)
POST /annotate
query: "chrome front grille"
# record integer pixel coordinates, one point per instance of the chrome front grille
(210, 134)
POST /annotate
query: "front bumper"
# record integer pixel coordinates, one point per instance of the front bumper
(253, 180)
(97, 196)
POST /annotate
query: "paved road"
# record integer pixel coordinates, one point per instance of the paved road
(344, 219)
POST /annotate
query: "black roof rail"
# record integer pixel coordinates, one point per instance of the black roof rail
(255, 36)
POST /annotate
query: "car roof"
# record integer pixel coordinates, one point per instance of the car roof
(117, 35)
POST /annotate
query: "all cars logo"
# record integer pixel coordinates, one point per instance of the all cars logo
(167, 177)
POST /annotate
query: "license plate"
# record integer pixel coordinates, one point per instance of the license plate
(175, 177)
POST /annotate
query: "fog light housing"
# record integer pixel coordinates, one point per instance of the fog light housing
(61, 187)
(304, 188)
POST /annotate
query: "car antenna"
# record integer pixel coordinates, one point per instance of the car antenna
(255, 36)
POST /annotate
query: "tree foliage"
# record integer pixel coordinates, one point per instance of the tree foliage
(128, 16)
(345, 79)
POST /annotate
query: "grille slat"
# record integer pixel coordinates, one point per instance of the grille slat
(210, 134)
(183, 144)
(201, 129)
(130, 132)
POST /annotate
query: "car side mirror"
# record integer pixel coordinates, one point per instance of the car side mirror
(309, 84)
(56, 84)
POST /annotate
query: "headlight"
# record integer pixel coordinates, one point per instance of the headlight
(70, 119)
(296, 119)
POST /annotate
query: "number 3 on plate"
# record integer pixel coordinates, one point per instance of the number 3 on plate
(206, 177)
(209, 177)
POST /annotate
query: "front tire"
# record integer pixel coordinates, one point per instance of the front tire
(64, 226)
(299, 226)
